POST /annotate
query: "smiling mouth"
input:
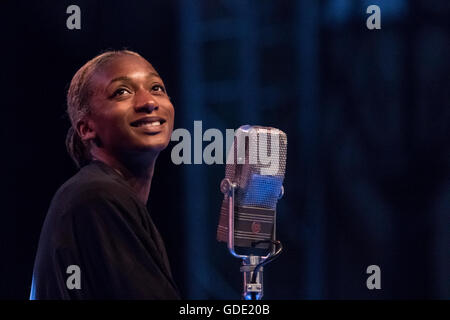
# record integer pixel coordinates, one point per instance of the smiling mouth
(148, 123)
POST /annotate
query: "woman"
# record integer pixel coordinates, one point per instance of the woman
(98, 240)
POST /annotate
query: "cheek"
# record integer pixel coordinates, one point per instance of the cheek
(172, 114)
(110, 126)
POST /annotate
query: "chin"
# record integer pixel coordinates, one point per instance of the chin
(154, 143)
(154, 146)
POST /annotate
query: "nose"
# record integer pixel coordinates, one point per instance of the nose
(146, 103)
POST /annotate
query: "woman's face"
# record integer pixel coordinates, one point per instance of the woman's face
(131, 110)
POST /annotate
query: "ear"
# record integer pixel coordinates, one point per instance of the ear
(86, 130)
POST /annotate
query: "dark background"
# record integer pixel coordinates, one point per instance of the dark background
(366, 113)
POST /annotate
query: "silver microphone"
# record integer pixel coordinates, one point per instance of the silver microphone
(253, 183)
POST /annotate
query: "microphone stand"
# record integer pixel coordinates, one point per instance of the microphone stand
(252, 265)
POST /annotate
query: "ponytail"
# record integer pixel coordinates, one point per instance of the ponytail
(77, 149)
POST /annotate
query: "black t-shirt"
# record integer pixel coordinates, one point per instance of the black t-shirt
(97, 224)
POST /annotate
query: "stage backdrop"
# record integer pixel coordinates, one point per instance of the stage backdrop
(366, 112)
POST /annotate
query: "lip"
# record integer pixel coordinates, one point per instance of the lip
(148, 128)
(149, 119)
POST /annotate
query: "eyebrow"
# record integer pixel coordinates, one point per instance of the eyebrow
(126, 78)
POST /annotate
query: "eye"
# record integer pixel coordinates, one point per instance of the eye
(158, 88)
(121, 92)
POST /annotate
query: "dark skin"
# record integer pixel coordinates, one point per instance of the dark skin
(128, 92)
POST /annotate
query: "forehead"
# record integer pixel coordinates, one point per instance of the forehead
(130, 66)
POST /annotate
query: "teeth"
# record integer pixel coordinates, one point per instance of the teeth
(151, 124)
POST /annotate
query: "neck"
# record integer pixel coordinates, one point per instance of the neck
(136, 169)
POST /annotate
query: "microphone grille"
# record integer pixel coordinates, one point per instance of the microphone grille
(257, 164)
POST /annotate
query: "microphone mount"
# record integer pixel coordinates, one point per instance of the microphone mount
(252, 265)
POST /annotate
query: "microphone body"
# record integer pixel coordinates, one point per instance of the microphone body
(253, 183)
(256, 163)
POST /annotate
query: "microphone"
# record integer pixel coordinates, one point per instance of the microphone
(253, 184)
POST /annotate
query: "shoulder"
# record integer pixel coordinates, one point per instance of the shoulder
(82, 190)
(91, 190)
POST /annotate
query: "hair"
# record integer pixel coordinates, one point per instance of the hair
(78, 104)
